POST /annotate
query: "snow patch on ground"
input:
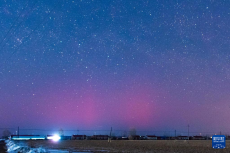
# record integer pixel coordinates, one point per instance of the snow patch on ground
(21, 147)
(15, 148)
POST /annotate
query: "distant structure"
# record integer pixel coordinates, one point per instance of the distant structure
(100, 137)
(27, 137)
(198, 138)
(78, 137)
(151, 137)
(182, 138)
(61, 132)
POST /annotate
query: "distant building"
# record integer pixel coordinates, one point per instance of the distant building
(136, 137)
(151, 137)
(113, 138)
(198, 138)
(27, 137)
(66, 137)
(172, 138)
(227, 137)
(78, 137)
(124, 138)
(119, 137)
(163, 138)
(100, 137)
(182, 137)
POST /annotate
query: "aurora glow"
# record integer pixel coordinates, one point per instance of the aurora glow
(96, 64)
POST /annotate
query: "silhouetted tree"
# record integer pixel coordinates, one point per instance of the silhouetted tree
(6, 134)
(132, 133)
(124, 134)
(61, 132)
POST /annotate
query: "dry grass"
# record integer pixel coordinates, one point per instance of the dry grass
(158, 146)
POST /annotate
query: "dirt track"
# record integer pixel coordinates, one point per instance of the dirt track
(158, 146)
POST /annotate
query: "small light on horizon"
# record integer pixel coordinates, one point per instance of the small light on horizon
(56, 137)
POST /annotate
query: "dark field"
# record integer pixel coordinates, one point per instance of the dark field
(160, 146)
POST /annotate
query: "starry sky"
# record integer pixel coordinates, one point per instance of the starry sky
(93, 64)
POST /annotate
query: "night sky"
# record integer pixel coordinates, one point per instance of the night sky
(93, 64)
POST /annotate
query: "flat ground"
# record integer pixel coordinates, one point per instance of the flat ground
(158, 146)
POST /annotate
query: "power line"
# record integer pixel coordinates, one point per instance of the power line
(188, 131)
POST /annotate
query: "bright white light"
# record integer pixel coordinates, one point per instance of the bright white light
(49, 138)
(56, 137)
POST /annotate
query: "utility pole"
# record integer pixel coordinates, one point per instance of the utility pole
(18, 131)
(188, 131)
(110, 136)
(111, 132)
(175, 134)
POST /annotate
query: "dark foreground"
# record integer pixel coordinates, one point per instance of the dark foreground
(151, 146)
(2, 147)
